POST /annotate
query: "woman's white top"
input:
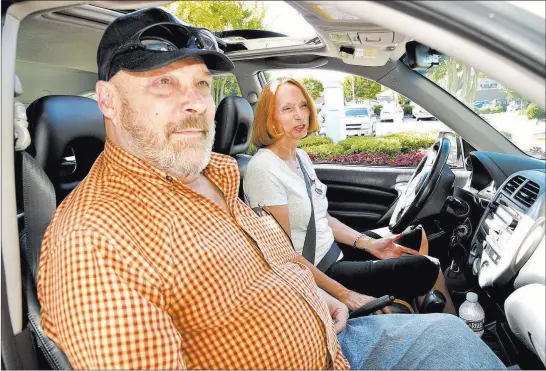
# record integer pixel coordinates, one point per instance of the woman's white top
(270, 182)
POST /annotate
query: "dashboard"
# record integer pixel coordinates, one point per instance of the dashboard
(507, 249)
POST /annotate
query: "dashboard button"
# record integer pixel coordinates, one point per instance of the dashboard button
(513, 224)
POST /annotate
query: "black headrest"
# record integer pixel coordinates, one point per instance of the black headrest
(57, 121)
(234, 119)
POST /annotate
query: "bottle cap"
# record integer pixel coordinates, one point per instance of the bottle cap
(472, 297)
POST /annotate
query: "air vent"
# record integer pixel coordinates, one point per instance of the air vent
(513, 184)
(528, 194)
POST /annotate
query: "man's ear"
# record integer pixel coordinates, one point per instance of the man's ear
(106, 92)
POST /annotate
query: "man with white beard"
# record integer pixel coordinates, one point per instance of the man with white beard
(153, 262)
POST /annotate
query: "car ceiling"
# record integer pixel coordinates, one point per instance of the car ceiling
(52, 37)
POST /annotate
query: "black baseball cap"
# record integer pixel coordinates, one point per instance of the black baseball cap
(151, 38)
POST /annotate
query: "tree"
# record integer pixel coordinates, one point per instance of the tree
(313, 86)
(364, 89)
(512, 95)
(221, 16)
(459, 79)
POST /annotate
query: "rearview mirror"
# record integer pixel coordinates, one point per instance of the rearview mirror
(420, 56)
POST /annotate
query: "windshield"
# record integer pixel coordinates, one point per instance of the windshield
(520, 121)
(354, 112)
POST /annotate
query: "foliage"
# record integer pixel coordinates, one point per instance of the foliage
(364, 89)
(497, 109)
(314, 140)
(313, 86)
(402, 100)
(458, 79)
(224, 86)
(377, 109)
(400, 149)
(511, 94)
(485, 110)
(534, 112)
(408, 109)
(326, 151)
(251, 150)
(410, 159)
(220, 15)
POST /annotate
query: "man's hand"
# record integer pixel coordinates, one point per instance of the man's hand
(385, 248)
(354, 300)
(338, 311)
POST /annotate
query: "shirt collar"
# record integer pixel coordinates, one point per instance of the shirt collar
(222, 170)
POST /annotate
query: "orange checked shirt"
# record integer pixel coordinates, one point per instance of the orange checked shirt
(138, 271)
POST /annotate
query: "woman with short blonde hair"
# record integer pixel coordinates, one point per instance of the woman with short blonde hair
(281, 180)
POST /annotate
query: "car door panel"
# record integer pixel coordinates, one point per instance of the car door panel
(360, 196)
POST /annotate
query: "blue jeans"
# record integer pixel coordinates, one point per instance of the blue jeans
(422, 341)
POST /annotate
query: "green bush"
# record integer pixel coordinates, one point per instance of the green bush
(314, 141)
(498, 109)
(408, 109)
(534, 112)
(326, 151)
(411, 142)
(485, 110)
(251, 150)
(377, 109)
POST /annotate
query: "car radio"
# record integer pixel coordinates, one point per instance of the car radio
(512, 222)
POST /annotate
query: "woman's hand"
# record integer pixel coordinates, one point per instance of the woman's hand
(385, 248)
(354, 300)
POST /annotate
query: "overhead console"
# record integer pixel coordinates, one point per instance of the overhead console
(370, 48)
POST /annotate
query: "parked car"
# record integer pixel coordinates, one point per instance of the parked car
(478, 104)
(419, 113)
(360, 121)
(500, 251)
(391, 112)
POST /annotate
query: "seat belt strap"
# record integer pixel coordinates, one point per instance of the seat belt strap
(310, 242)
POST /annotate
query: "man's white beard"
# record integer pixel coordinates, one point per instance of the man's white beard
(181, 158)
(186, 159)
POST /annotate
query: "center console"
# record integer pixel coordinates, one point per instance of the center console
(510, 230)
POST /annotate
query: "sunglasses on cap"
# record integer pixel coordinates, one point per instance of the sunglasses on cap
(167, 37)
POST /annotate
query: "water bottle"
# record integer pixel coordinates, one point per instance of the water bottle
(472, 313)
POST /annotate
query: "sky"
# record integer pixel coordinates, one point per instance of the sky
(281, 17)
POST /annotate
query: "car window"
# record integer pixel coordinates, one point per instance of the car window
(362, 122)
(224, 85)
(520, 121)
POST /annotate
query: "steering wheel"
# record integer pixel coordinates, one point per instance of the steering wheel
(421, 186)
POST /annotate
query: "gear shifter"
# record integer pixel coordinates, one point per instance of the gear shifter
(434, 302)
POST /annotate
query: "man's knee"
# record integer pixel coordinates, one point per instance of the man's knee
(445, 322)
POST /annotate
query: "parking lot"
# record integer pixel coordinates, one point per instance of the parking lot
(525, 133)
